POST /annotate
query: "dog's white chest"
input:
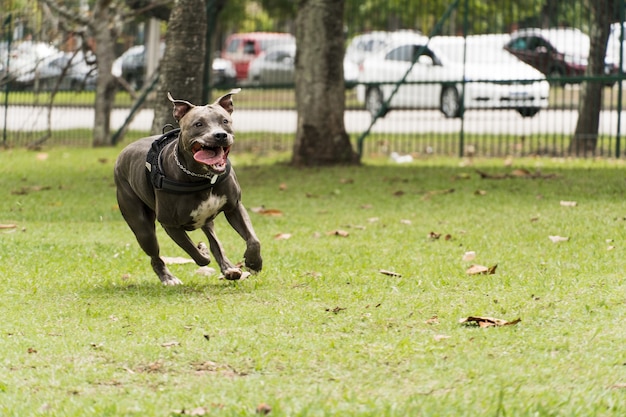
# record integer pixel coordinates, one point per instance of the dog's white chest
(207, 209)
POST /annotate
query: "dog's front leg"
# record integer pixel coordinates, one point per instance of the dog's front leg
(240, 221)
(197, 253)
(230, 271)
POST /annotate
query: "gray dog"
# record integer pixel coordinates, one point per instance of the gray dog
(184, 180)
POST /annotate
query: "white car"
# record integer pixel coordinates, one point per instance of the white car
(487, 79)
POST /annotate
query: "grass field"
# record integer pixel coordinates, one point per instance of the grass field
(356, 312)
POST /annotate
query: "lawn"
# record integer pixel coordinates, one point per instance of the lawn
(357, 311)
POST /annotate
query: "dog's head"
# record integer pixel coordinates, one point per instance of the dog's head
(206, 132)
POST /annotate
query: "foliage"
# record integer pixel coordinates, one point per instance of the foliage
(88, 330)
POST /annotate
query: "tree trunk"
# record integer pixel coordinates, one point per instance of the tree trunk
(321, 137)
(585, 138)
(182, 67)
(105, 33)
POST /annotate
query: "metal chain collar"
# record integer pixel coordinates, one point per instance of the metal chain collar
(212, 177)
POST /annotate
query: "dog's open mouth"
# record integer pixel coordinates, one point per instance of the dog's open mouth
(213, 156)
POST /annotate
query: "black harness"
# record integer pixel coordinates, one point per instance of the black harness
(156, 175)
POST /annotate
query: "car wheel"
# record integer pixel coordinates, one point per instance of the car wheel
(528, 111)
(450, 103)
(374, 101)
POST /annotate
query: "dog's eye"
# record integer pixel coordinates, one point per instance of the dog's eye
(198, 124)
(225, 121)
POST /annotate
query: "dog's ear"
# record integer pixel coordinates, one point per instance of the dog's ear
(181, 107)
(226, 101)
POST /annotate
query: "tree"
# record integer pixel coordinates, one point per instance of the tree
(103, 26)
(182, 67)
(585, 136)
(321, 137)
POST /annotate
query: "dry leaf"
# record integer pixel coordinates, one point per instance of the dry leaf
(346, 181)
(568, 203)
(520, 172)
(439, 337)
(432, 320)
(8, 226)
(206, 271)
(481, 269)
(177, 260)
(405, 221)
(557, 239)
(170, 344)
(480, 192)
(282, 187)
(434, 236)
(488, 321)
(282, 236)
(390, 273)
(263, 409)
(469, 256)
(338, 232)
(198, 411)
(269, 212)
(42, 156)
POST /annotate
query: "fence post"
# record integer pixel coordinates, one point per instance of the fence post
(7, 22)
(618, 138)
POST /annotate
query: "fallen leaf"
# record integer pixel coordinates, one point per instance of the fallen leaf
(8, 226)
(481, 269)
(176, 260)
(568, 203)
(335, 310)
(405, 221)
(439, 337)
(282, 187)
(42, 156)
(432, 320)
(434, 235)
(198, 411)
(282, 236)
(469, 256)
(170, 344)
(480, 192)
(390, 273)
(338, 232)
(557, 239)
(206, 271)
(269, 212)
(520, 172)
(346, 181)
(263, 409)
(488, 321)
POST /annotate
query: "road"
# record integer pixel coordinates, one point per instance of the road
(285, 121)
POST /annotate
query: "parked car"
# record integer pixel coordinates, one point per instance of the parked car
(276, 66)
(365, 44)
(131, 66)
(69, 71)
(24, 57)
(242, 48)
(437, 81)
(558, 52)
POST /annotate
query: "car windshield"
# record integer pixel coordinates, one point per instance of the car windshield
(478, 49)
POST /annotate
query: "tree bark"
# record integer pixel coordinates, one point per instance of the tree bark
(182, 67)
(585, 138)
(105, 33)
(321, 137)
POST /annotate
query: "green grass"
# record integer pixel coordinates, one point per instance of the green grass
(88, 329)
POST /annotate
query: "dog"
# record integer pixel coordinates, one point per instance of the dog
(184, 179)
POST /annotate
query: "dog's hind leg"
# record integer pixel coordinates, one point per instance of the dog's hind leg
(141, 220)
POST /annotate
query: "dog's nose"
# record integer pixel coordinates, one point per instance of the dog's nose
(220, 136)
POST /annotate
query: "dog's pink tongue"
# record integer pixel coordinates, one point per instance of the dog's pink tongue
(209, 156)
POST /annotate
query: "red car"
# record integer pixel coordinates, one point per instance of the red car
(241, 48)
(558, 52)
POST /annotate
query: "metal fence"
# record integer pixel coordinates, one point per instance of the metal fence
(423, 79)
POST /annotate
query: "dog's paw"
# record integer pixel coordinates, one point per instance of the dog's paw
(234, 274)
(170, 280)
(202, 248)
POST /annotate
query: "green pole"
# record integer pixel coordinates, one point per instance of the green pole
(7, 22)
